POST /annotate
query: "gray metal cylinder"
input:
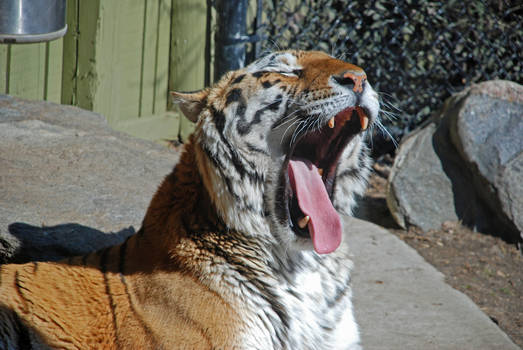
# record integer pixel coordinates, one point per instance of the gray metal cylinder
(28, 21)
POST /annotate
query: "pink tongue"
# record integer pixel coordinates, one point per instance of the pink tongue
(324, 225)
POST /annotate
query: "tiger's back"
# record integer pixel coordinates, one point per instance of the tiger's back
(241, 245)
(47, 301)
(89, 303)
(117, 298)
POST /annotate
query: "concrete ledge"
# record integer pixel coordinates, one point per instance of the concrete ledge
(402, 302)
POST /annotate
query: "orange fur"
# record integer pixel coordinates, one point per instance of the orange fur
(68, 305)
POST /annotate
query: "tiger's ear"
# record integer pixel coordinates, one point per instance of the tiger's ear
(191, 103)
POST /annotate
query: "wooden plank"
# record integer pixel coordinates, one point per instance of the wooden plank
(119, 59)
(155, 57)
(87, 79)
(4, 68)
(188, 30)
(159, 128)
(148, 64)
(27, 71)
(53, 88)
(162, 57)
(70, 47)
(107, 67)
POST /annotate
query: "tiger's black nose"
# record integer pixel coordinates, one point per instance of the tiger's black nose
(352, 79)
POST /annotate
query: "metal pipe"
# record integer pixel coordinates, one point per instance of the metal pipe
(231, 36)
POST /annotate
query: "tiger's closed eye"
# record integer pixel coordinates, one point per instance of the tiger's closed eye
(295, 73)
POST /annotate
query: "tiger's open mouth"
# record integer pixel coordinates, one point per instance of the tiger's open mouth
(311, 171)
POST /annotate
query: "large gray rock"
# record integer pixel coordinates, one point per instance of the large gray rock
(64, 174)
(488, 133)
(465, 164)
(420, 194)
(429, 185)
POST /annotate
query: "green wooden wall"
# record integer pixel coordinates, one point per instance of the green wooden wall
(32, 71)
(188, 63)
(119, 58)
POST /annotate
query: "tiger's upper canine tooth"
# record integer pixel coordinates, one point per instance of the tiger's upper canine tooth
(331, 123)
(364, 120)
(320, 171)
(303, 221)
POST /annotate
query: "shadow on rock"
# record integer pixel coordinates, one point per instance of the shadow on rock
(26, 242)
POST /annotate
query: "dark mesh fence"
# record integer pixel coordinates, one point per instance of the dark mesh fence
(415, 53)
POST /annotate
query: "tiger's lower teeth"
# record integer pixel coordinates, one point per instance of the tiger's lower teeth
(331, 123)
(303, 221)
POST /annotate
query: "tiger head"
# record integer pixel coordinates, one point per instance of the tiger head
(280, 146)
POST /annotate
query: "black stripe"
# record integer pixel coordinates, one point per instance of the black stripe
(352, 173)
(18, 286)
(281, 200)
(35, 267)
(191, 322)
(122, 257)
(24, 338)
(272, 299)
(148, 332)
(240, 110)
(238, 79)
(214, 160)
(267, 84)
(292, 90)
(259, 74)
(103, 265)
(298, 72)
(219, 121)
(234, 95)
(244, 128)
(253, 148)
(228, 182)
(236, 160)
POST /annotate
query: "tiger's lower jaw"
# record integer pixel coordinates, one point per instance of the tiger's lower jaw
(309, 176)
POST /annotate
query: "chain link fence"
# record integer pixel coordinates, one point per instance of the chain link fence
(415, 53)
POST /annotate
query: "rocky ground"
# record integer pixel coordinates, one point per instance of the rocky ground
(484, 267)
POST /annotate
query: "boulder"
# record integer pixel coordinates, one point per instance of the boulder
(428, 184)
(419, 193)
(465, 164)
(488, 134)
(66, 184)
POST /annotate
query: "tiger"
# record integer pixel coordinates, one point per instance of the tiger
(241, 246)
